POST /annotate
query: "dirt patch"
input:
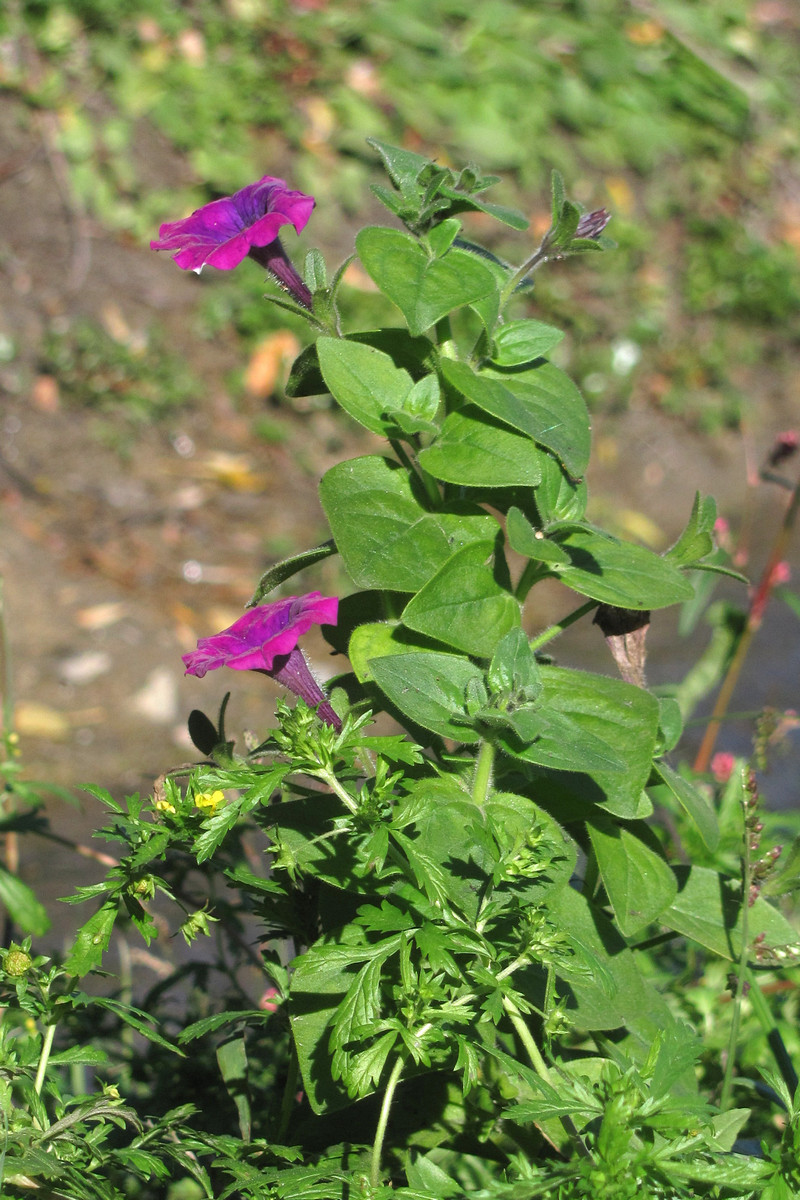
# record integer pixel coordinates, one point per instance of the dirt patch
(114, 566)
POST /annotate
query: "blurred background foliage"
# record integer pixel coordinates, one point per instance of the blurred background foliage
(680, 117)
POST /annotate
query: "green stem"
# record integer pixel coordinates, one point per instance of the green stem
(44, 1058)
(733, 1039)
(776, 1043)
(553, 631)
(537, 259)
(289, 1093)
(482, 783)
(444, 338)
(540, 1067)
(383, 1120)
(526, 1037)
(328, 777)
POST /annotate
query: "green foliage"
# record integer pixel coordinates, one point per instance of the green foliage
(463, 958)
(139, 380)
(684, 117)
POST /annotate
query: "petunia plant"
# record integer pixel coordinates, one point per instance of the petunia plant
(466, 921)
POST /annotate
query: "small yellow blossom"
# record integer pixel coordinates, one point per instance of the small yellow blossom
(209, 801)
(165, 806)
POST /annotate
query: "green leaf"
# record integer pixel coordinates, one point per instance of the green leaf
(614, 572)
(514, 667)
(91, 940)
(232, 1062)
(415, 355)
(708, 910)
(696, 541)
(287, 568)
(403, 166)
(320, 980)
(441, 237)
(463, 605)
(639, 884)
(376, 639)
(542, 402)
(386, 536)
(23, 907)
(364, 381)
(562, 744)
(533, 543)
(558, 497)
(606, 987)
(624, 718)
(430, 689)
(423, 289)
(463, 203)
(521, 342)
(693, 802)
(559, 195)
(364, 1068)
(476, 451)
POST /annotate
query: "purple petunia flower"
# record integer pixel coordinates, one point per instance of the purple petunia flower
(592, 224)
(225, 231)
(265, 639)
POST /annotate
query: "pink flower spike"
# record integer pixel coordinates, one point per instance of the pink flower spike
(225, 231)
(265, 639)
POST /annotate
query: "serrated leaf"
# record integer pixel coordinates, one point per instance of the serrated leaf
(91, 941)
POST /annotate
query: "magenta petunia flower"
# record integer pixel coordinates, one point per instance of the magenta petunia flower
(265, 639)
(222, 233)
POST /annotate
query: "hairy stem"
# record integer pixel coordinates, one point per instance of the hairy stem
(44, 1058)
(383, 1120)
(553, 631)
(540, 1067)
(482, 783)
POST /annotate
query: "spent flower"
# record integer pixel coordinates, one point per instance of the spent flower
(265, 639)
(222, 233)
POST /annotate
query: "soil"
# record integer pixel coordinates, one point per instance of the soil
(114, 563)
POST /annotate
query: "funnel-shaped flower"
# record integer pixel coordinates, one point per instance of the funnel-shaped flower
(265, 639)
(225, 231)
(592, 224)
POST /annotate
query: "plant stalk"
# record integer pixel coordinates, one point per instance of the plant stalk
(482, 784)
(553, 631)
(755, 616)
(383, 1120)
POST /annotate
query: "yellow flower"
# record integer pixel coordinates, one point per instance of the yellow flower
(165, 806)
(209, 800)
